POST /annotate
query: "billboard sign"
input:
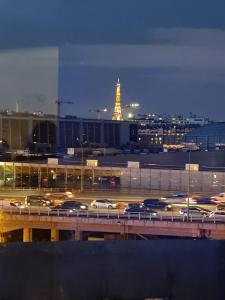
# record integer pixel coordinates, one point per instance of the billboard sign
(192, 167)
(53, 161)
(133, 164)
(92, 162)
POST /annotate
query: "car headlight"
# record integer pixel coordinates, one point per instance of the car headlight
(154, 214)
(83, 206)
(114, 205)
(169, 206)
(70, 210)
(163, 198)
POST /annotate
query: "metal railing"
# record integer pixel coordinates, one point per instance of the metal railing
(110, 214)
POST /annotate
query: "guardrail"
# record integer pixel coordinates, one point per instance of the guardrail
(110, 215)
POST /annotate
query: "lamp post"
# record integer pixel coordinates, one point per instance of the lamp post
(82, 166)
(189, 183)
(58, 114)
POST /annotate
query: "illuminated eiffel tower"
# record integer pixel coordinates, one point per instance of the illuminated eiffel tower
(117, 114)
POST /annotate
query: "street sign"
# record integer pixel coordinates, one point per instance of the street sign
(133, 164)
(92, 162)
(53, 161)
(192, 167)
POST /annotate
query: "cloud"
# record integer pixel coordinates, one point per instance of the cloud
(203, 37)
(176, 47)
(46, 23)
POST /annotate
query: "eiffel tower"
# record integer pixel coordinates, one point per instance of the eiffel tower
(117, 114)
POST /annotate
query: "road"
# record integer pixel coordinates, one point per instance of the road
(121, 199)
(118, 214)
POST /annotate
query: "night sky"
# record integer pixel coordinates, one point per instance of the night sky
(169, 55)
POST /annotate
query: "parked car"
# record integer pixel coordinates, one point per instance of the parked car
(134, 208)
(177, 198)
(156, 204)
(71, 206)
(217, 215)
(37, 200)
(103, 203)
(194, 211)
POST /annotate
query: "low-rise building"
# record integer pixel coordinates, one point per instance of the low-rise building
(19, 131)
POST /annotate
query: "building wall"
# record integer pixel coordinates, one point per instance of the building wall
(21, 131)
(208, 136)
(67, 176)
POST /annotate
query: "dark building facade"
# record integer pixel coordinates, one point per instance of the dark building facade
(20, 131)
(160, 134)
(209, 137)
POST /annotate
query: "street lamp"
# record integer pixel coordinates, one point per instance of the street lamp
(82, 166)
(189, 183)
(58, 114)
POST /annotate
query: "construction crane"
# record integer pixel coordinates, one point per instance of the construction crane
(99, 112)
(129, 110)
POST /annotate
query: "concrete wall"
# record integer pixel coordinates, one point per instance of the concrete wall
(173, 180)
(177, 269)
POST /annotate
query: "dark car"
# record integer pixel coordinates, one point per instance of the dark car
(156, 204)
(37, 200)
(204, 201)
(177, 198)
(71, 206)
(138, 208)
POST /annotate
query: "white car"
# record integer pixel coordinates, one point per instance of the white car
(194, 211)
(8, 204)
(103, 203)
(217, 215)
(220, 197)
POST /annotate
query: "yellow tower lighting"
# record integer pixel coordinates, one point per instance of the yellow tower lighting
(117, 114)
